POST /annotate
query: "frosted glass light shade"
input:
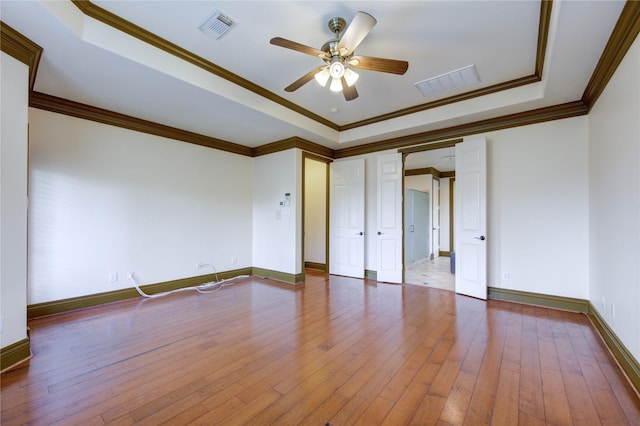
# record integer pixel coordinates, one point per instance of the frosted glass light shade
(322, 77)
(336, 85)
(350, 76)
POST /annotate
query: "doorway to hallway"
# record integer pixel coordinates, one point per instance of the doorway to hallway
(435, 273)
(429, 175)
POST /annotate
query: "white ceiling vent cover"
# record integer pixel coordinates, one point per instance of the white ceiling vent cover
(217, 25)
(452, 80)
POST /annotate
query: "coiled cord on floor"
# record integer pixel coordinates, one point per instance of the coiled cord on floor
(209, 287)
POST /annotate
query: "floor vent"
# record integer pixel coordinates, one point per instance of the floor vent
(217, 25)
(452, 80)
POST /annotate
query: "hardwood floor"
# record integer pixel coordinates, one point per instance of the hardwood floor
(336, 350)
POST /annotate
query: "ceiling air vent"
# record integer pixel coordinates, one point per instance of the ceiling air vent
(452, 80)
(217, 25)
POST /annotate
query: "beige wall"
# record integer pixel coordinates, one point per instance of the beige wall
(277, 234)
(315, 210)
(14, 91)
(108, 200)
(614, 202)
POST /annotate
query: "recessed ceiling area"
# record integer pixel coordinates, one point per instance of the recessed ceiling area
(239, 95)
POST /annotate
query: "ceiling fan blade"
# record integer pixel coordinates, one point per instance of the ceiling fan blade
(283, 42)
(349, 92)
(379, 64)
(303, 80)
(360, 26)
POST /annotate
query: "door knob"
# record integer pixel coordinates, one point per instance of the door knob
(360, 233)
(481, 238)
(380, 233)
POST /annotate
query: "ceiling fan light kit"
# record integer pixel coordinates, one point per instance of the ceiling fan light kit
(338, 55)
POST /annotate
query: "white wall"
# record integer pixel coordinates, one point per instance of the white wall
(277, 229)
(422, 183)
(538, 208)
(14, 89)
(315, 210)
(108, 200)
(614, 207)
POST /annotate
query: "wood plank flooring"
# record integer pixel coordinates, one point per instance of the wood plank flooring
(334, 350)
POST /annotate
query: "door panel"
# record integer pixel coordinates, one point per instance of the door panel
(346, 240)
(389, 238)
(471, 218)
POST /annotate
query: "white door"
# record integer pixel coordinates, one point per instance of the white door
(435, 234)
(470, 217)
(389, 232)
(346, 242)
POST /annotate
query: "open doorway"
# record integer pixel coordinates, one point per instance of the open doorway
(315, 196)
(428, 213)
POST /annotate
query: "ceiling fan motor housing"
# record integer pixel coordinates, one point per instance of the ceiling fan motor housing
(336, 25)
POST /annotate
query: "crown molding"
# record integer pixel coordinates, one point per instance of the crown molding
(113, 20)
(430, 146)
(293, 142)
(556, 112)
(423, 171)
(426, 140)
(445, 101)
(21, 48)
(543, 35)
(87, 112)
(622, 37)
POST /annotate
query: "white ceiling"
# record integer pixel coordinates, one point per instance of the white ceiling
(89, 62)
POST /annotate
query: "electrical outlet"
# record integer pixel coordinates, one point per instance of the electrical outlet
(604, 303)
(199, 265)
(130, 276)
(234, 260)
(113, 277)
(613, 310)
(1, 325)
(505, 276)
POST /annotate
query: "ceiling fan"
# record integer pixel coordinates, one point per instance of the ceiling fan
(339, 57)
